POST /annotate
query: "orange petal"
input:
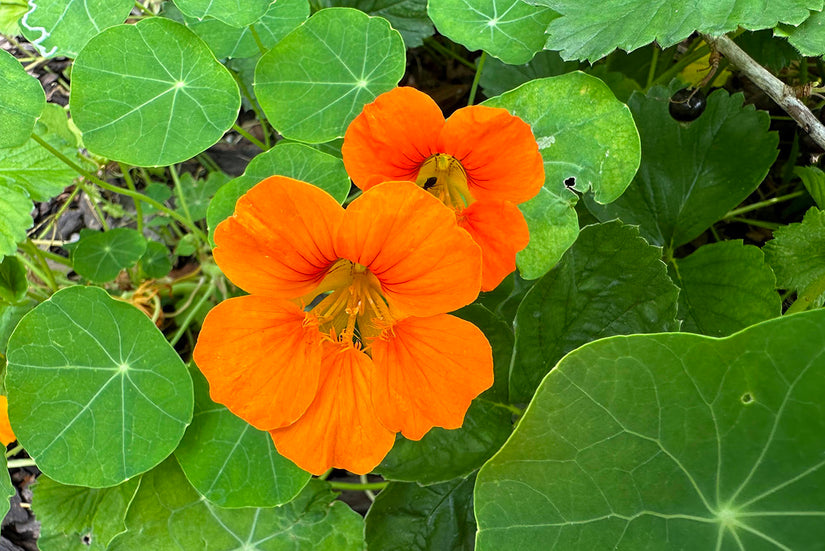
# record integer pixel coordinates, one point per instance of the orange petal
(498, 152)
(391, 137)
(501, 231)
(428, 370)
(6, 434)
(340, 428)
(260, 360)
(279, 242)
(411, 242)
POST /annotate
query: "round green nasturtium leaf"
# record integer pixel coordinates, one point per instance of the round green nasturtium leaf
(96, 393)
(691, 175)
(725, 287)
(294, 160)
(169, 515)
(230, 462)
(668, 442)
(510, 30)
(63, 27)
(13, 282)
(431, 518)
(155, 262)
(198, 193)
(231, 12)
(151, 94)
(409, 17)
(22, 100)
(70, 516)
(588, 141)
(227, 41)
(100, 256)
(317, 79)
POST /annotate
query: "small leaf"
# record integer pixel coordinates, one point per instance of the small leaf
(588, 141)
(14, 218)
(409, 17)
(809, 37)
(22, 99)
(198, 193)
(814, 180)
(668, 442)
(71, 516)
(231, 12)
(155, 261)
(104, 397)
(231, 463)
(611, 282)
(691, 175)
(286, 159)
(436, 518)
(726, 287)
(510, 30)
(314, 81)
(100, 256)
(6, 488)
(768, 49)
(797, 255)
(169, 515)
(13, 282)
(137, 101)
(63, 27)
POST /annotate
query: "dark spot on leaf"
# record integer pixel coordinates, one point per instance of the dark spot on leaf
(747, 398)
(570, 182)
(86, 539)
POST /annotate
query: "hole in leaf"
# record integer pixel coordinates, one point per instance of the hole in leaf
(747, 398)
(569, 182)
(86, 539)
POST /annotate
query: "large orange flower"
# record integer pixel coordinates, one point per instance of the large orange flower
(344, 340)
(481, 161)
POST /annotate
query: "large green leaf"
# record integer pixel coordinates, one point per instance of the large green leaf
(588, 140)
(100, 256)
(611, 282)
(227, 41)
(96, 393)
(583, 32)
(22, 99)
(75, 518)
(63, 27)
(507, 29)
(691, 175)
(231, 12)
(726, 287)
(407, 516)
(409, 17)
(809, 37)
(151, 94)
(231, 463)
(666, 442)
(169, 515)
(797, 256)
(314, 81)
(285, 159)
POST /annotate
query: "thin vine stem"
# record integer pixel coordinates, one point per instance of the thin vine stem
(192, 312)
(477, 78)
(59, 213)
(131, 185)
(258, 143)
(17, 463)
(357, 486)
(440, 48)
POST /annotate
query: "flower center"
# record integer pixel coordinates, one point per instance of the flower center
(443, 176)
(355, 309)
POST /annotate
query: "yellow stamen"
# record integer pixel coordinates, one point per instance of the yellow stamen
(445, 177)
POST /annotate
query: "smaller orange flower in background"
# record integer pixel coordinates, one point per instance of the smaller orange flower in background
(481, 162)
(344, 338)
(6, 433)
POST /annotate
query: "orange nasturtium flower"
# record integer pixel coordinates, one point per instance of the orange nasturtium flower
(343, 340)
(481, 162)
(6, 433)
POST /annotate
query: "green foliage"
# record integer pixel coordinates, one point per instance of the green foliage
(797, 256)
(611, 282)
(691, 174)
(14, 218)
(155, 262)
(510, 30)
(21, 101)
(572, 116)
(409, 17)
(408, 516)
(96, 404)
(808, 37)
(100, 256)
(231, 463)
(10, 13)
(231, 12)
(814, 180)
(143, 106)
(198, 193)
(499, 77)
(13, 282)
(63, 27)
(725, 287)
(668, 442)
(71, 516)
(314, 81)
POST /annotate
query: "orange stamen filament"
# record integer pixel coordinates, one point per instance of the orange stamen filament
(444, 176)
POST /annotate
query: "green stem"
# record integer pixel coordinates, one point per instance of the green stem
(257, 38)
(440, 48)
(114, 189)
(509, 407)
(54, 257)
(45, 274)
(191, 315)
(249, 137)
(95, 207)
(765, 203)
(358, 486)
(208, 162)
(258, 114)
(14, 451)
(479, 68)
(15, 463)
(143, 9)
(59, 213)
(654, 62)
(677, 68)
(131, 185)
(757, 223)
(806, 297)
(180, 195)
